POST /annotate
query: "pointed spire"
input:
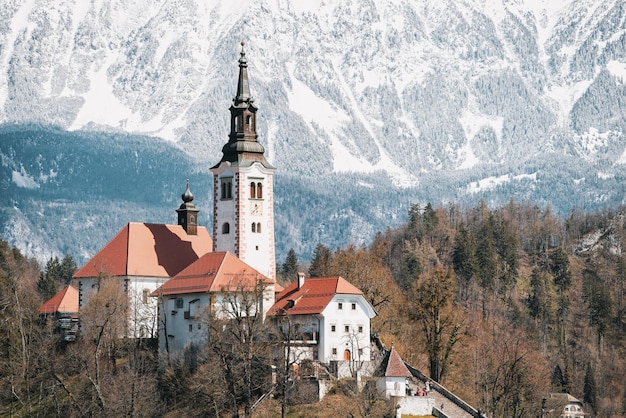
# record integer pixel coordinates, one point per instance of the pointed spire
(243, 86)
(243, 148)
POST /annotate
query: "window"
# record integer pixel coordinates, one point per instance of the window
(340, 306)
(256, 190)
(354, 306)
(199, 325)
(190, 327)
(249, 122)
(258, 227)
(226, 228)
(333, 328)
(252, 190)
(146, 293)
(227, 188)
(334, 351)
(253, 227)
(346, 328)
(360, 328)
(179, 303)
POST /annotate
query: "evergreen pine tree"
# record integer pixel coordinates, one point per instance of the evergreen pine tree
(289, 269)
(431, 220)
(464, 259)
(320, 265)
(589, 388)
(49, 279)
(486, 254)
(67, 269)
(558, 380)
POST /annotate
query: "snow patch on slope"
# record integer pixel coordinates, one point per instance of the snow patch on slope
(19, 24)
(23, 180)
(617, 69)
(492, 182)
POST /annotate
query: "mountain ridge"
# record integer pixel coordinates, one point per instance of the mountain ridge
(436, 101)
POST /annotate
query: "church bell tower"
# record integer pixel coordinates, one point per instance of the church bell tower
(243, 201)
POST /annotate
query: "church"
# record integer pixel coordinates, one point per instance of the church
(172, 274)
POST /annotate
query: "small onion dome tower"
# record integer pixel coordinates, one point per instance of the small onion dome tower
(187, 213)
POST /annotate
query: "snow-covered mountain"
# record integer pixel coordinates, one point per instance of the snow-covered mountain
(437, 99)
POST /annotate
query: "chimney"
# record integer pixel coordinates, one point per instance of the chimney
(300, 279)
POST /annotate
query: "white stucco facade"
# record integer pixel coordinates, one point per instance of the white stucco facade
(142, 309)
(183, 319)
(244, 214)
(340, 334)
(345, 329)
(391, 386)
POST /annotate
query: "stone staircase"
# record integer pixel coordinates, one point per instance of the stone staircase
(447, 404)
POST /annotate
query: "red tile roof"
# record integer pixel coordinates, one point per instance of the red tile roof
(313, 297)
(395, 366)
(66, 301)
(213, 272)
(152, 250)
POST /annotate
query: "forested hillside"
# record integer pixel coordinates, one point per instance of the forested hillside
(501, 305)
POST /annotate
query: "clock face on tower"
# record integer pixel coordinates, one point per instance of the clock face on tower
(256, 209)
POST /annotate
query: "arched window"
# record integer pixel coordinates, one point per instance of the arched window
(346, 355)
(227, 188)
(236, 123)
(253, 227)
(258, 227)
(192, 220)
(259, 190)
(249, 122)
(226, 228)
(252, 190)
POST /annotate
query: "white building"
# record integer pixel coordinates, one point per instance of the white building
(210, 287)
(142, 257)
(392, 381)
(330, 322)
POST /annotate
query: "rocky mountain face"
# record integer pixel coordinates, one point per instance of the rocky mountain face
(365, 106)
